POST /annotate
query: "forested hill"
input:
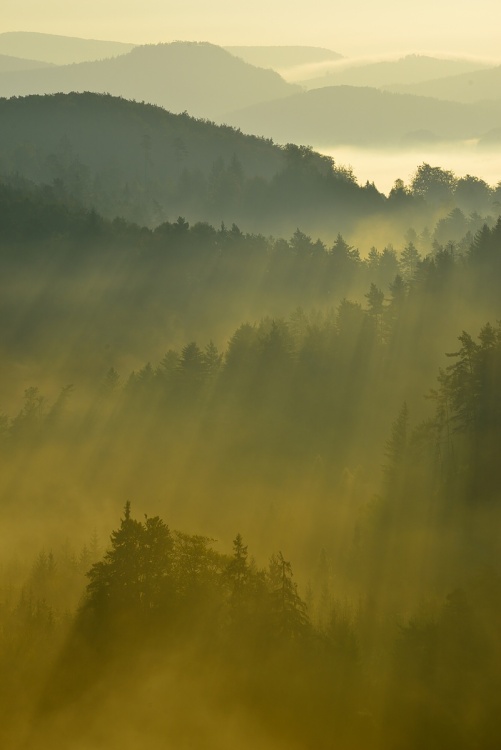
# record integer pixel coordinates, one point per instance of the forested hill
(116, 134)
(148, 165)
(201, 78)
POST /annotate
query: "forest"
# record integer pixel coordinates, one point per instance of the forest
(249, 433)
(146, 165)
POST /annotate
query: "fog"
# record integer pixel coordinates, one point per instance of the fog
(359, 29)
(434, 64)
(231, 516)
(250, 412)
(384, 166)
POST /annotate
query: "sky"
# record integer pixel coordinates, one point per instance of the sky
(352, 27)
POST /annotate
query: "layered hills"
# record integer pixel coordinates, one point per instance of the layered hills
(57, 49)
(474, 86)
(406, 70)
(148, 165)
(200, 78)
(9, 63)
(365, 116)
(279, 57)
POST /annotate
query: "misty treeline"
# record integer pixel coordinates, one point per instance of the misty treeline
(66, 268)
(147, 165)
(336, 414)
(284, 433)
(174, 642)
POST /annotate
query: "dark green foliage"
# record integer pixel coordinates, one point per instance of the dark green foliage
(134, 574)
(469, 413)
(289, 611)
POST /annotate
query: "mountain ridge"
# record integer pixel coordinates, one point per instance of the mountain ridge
(58, 49)
(409, 69)
(198, 77)
(340, 115)
(468, 88)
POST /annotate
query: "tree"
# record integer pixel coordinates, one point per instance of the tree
(211, 359)
(398, 294)
(111, 381)
(373, 259)
(463, 384)
(191, 367)
(156, 563)
(396, 451)
(375, 308)
(473, 194)
(289, 610)
(133, 573)
(115, 581)
(409, 259)
(300, 243)
(399, 194)
(434, 184)
(237, 573)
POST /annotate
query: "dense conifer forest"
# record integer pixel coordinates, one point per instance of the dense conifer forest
(249, 478)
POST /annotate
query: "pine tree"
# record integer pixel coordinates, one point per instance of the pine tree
(237, 573)
(396, 451)
(289, 610)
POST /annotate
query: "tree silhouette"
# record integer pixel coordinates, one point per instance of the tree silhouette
(289, 610)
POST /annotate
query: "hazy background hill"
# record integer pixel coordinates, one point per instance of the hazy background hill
(8, 63)
(468, 87)
(406, 70)
(365, 116)
(280, 58)
(200, 78)
(60, 50)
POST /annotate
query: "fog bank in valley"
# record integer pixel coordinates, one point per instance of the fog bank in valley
(384, 166)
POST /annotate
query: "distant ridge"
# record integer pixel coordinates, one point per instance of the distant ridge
(9, 63)
(382, 73)
(476, 86)
(364, 116)
(283, 57)
(200, 78)
(56, 49)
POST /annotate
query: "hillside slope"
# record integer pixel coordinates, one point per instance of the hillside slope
(472, 87)
(9, 63)
(283, 57)
(148, 165)
(365, 116)
(202, 79)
